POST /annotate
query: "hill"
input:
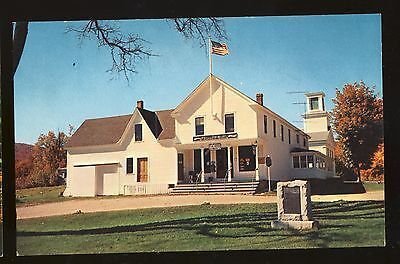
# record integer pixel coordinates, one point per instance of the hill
(23, 151)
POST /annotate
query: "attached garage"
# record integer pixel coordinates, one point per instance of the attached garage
(107, 179)
(96, 179)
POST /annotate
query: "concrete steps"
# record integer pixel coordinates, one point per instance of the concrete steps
(216, 188)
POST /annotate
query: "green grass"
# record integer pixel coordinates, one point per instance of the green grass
(40, 195)
(203, 227)
(372, 186)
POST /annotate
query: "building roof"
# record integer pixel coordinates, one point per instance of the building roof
(318, 136)
(161, 123)
(167, 124)
(152, 121)
(240, 93)
(315, 94)
(109, 130)
(99, 131)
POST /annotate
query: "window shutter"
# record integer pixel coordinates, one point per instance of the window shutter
(129, 165)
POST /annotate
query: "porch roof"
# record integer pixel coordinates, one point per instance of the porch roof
(224, 143)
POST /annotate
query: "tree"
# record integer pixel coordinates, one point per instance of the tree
(23, 169)
(48, 155)
(357, 122)
(375, 172)
(127, 49)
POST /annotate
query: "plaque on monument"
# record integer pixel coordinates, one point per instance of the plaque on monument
(294, 206)
(291, 200)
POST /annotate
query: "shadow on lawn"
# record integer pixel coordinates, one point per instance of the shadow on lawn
(243, 225)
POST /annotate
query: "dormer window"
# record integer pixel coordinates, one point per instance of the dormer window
(199, 123)
(229, 123)
(314, 103)
(138, 132)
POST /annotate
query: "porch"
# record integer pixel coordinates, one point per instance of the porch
(223, 161)
(310, 164)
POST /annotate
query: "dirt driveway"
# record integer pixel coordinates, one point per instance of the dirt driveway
(132, 202)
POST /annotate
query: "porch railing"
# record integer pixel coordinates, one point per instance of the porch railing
(198, 178)
(226, 177)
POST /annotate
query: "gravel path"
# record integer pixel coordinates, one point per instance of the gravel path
(132, 202)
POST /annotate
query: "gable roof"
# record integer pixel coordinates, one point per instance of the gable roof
(201, 85)
(99, 131)
(161, 123)
(167, 123)
(152, 121)
(241, 94)
(109, 130)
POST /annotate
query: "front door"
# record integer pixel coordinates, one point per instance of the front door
(222, 162)
(142, 170)
(180, 167)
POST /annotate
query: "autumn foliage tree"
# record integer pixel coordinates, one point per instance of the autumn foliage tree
(357, 121)
(39, 166)
(48, 155)
(376, 170)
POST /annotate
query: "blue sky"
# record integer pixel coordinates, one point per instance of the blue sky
(273, 55)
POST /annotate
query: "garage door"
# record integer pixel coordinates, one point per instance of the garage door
(107, 180)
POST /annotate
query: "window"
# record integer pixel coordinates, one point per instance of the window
(313, 103)
(274, 127)
(247, 158)
(265, 124)
(138, 132)
(282, 133)
(323, 105)
(229, 123)
(303, 162)
(289, 135)
(199, 123)
(310, 161)
(304, 141)
(296, 162)
(129, 165)
(297, 138)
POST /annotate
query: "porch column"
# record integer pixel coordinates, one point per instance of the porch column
(229, 165)
(202, 165)
(257, 173)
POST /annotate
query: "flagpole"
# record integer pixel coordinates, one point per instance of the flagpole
(210, 59)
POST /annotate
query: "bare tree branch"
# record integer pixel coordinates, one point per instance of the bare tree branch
(201, 28)
(19, 39)
(125, 49)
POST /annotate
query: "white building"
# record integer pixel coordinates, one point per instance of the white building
(215, 134)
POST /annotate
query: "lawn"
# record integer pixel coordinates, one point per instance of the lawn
(373, 186)
(39, 195)
(202, 227)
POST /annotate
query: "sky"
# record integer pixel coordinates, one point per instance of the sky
(62, 80)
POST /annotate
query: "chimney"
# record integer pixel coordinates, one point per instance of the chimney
(139, 104)
(259, 98)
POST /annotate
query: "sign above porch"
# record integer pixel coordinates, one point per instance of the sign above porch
(214, 146)
(214, 137)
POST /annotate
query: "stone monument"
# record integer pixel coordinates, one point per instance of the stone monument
(294, 206)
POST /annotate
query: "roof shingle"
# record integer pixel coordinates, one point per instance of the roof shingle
(109, 130)
(99, 131)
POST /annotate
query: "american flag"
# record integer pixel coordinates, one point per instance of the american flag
(218, 48)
